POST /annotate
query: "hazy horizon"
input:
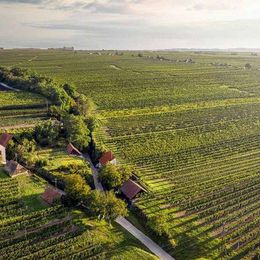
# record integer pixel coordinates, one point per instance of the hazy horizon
(130, 24)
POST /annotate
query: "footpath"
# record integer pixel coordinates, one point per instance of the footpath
(149, 243)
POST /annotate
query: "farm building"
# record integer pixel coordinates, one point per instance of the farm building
(106, 158)
(52, 194)
(72, 150)
(14, 169)
(4, 140)
(131, 189)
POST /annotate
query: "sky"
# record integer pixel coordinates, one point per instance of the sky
(130, 24)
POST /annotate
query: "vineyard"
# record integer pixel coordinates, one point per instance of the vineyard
(20, 108)
(35, 230)
(190, 129)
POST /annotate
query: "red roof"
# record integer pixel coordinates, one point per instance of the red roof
(51, 194)
(106, 157)
(130, 189)
(4, 139)
(71, 149)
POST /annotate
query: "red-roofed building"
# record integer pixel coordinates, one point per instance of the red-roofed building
(52, 194)
(106, 158)
(72, 150)
(4, 140)
(13, 168)
(130, 189)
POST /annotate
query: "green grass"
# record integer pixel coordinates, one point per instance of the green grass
(32, 187)
(3, 174)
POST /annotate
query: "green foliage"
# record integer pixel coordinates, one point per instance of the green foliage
(76, 188)
(47, 132)
(25, 80)
(77, 131)
(113, 176)
(159, 224)
(85, 105)
(106, 205)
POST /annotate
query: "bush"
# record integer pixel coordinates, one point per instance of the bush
(113, 176)
(47, 133)
(77, 131)
(105, 205)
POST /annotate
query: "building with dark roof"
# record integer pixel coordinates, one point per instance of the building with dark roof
(14, 169)
(52, 194)
(72, 150)
(131, 189)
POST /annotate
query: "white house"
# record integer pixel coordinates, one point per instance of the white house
(4, 139)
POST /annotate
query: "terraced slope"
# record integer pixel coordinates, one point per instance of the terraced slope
(21, 108)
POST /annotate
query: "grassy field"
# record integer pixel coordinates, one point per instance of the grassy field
(190, 128)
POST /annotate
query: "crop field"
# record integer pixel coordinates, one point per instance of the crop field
(21, 108)
(30, 229)
(192, 129)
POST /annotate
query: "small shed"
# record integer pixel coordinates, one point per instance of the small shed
(4, 140)
(131, 188)
(14, 169)
(52, 194)
(107, 157)
(72, 150)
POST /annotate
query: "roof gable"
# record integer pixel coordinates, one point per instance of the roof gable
(5, 138)
(106, 157)
(130, 189)
(71, 149)
(50, 194)
(13, 167)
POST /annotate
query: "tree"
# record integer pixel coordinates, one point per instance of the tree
(47, 132)
(26, 151)
(93, 123)
(85, 105)
(77, 131)
(105, 205)
(113, 176)
(70, 89)
(76, 187)
(159, 224)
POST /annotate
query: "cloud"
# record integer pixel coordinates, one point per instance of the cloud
(130, 23)
(22, 1)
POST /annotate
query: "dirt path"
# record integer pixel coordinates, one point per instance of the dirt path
(123, 222)
(114, 67)
(17, 126)
(8, 88)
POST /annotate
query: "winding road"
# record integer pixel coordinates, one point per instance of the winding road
(123, 222)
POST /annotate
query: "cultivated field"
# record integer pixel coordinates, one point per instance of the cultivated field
(191, 128)
(31, 229)
(21, 108)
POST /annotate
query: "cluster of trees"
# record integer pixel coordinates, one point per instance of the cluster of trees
(75, 121)
(104, 205)
(73, 109)
(113, 176)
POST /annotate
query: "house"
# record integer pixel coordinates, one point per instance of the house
(52, 194)
(72, 150)
(130, 189)
(14, 169)
(4, 140)
(107, 157)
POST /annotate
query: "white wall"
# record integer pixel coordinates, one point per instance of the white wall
(3, 154)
